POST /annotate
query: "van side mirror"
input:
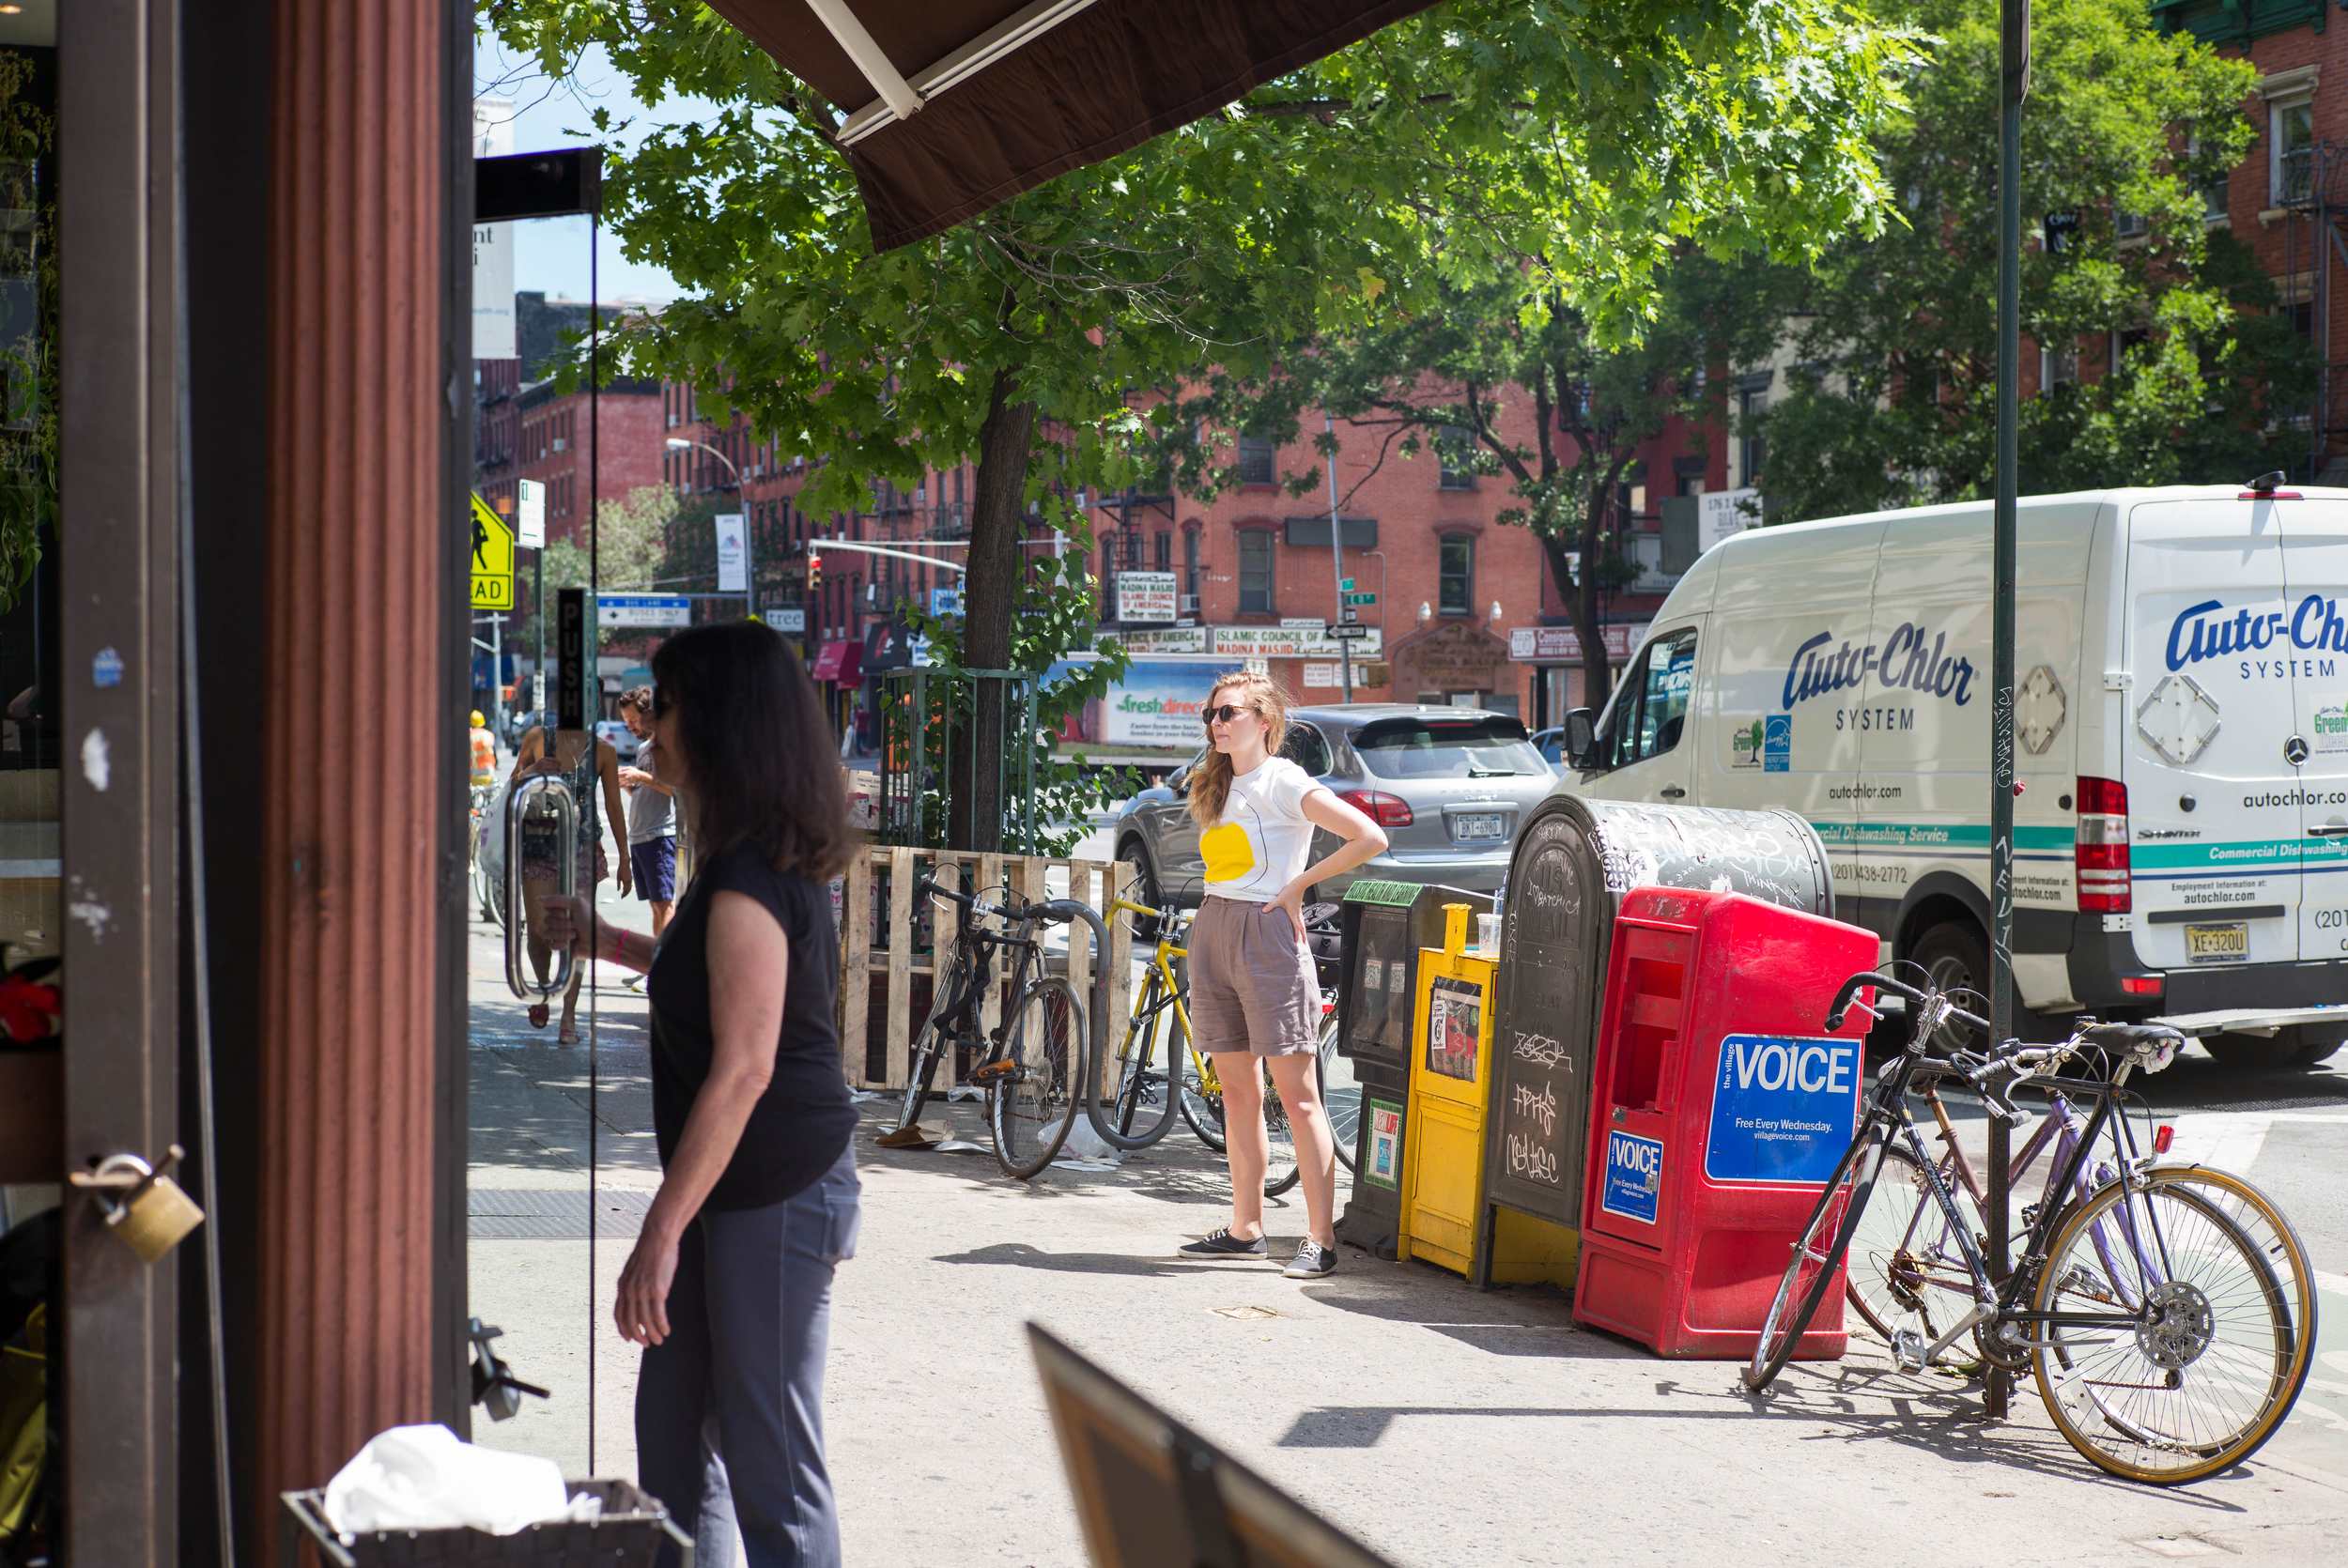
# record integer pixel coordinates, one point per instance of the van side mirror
(1581, 747)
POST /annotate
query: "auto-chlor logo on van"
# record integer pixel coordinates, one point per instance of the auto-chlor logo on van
(2330, 729)
(2315, 627)
(1913, 658)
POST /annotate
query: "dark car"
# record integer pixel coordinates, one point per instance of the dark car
(1449, 786)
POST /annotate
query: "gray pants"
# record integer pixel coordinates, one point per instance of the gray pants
(730, 1407)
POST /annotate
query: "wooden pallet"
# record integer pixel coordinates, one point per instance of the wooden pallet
(894, 953)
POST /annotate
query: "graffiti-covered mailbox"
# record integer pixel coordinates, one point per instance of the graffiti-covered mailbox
(1574, 861)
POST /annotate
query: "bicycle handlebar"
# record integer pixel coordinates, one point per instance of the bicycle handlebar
(1859, 982)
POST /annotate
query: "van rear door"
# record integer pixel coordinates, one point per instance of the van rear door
(2315, 584)
(2213, 815)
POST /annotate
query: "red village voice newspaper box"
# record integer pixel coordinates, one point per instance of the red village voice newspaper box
(1719, 1108)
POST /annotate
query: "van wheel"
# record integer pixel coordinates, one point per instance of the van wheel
(1958, 958)
(2316, 1044)
(2252, 1053)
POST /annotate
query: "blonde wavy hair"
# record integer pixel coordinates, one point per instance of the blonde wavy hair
(1210, 783)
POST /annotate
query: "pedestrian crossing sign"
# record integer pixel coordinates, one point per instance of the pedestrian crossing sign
(493, 558)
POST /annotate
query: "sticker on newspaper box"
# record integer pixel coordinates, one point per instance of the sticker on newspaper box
(1635, 1175)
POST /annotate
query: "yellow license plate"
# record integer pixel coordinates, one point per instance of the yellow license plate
(2217, 944)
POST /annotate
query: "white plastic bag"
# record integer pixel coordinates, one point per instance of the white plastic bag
(1086, 1150)
(427, 1478)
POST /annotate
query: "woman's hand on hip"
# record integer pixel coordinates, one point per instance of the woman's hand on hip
(1291, 900)
(643, 1309)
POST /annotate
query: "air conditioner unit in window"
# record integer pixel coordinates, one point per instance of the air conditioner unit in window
(561, 445)
(1190, 603)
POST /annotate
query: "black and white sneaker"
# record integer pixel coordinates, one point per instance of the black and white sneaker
(1312, 1261)
(1224, 1244)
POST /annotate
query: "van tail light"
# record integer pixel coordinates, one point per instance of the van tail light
(1390, 811)
(2100, 847)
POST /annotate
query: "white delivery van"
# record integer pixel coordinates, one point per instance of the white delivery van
(2181, 661)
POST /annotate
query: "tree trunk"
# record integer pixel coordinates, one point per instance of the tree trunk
(990, 595)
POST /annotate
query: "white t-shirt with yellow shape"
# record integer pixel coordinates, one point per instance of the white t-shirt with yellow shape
(1263, 840)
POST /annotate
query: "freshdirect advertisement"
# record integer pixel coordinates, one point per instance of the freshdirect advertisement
(1158, 703)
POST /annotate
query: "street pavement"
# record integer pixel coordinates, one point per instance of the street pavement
(1437, 1423)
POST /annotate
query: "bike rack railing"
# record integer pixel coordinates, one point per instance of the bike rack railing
(518, 800)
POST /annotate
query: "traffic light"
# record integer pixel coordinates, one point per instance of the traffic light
(814, 570)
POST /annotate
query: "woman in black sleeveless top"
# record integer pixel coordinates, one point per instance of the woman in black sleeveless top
(729, 1288)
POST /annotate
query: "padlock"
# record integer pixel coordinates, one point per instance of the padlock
(144, 1206)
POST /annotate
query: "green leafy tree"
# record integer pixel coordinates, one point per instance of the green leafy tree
(1582, 144)
(1894, 402)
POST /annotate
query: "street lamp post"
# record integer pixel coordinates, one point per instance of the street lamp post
(749, 566)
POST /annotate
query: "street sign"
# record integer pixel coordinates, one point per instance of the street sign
(643, 610)
(1345, 585)
(1361, 598)
(945, 602)
(493, 558)
(1346, 631)
(530, 513)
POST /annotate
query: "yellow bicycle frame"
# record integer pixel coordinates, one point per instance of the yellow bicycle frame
(1162, 959)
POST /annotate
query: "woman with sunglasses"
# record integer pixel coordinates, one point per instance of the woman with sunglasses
(1255, 1001)
(729, 1287)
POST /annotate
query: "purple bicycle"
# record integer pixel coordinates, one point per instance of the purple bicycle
(2168, 1312)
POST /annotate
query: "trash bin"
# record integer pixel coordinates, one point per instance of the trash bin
(1383, 925)
(1719, 1108)
(1442, 1165)
(1575, 860)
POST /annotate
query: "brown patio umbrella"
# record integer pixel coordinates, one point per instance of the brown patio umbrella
(954, 105)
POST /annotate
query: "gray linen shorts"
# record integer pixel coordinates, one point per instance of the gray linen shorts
(1252, 983)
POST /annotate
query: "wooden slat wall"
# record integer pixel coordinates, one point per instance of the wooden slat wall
(895, 870)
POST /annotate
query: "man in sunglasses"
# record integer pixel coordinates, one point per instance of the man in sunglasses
(651, 812)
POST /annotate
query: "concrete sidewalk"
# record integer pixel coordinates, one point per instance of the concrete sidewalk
(1439, 1424)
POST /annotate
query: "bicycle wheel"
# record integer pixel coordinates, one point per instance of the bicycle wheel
(1820, 1246)
(931, 1044)
(1202, 1107)
(1140, 1091)
(1341, 1093)
(2229, 1332)
(1906, 1270)
(1032, 1108)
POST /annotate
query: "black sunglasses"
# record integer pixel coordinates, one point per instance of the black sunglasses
(1224, 715)
(653, 704)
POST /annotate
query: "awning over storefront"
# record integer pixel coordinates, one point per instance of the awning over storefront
(954, 105)
(839, 661)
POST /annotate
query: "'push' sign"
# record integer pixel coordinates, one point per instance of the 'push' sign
(1783, 1109)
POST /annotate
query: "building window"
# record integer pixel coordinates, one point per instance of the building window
(1753, 401)
(2290, 151)
(1255, 571)
(1455, 449)
(1190, 571)
(1166, 551)
(1455, 583)
(2057, 365)
(1256, 464)
(1688, 475)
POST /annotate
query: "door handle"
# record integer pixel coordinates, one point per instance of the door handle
(1672, 791)
(2329, 830)
(558, 801)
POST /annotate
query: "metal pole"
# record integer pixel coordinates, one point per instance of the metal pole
(2014, 26)
(1337, 560)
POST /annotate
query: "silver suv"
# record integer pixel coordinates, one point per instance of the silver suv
(1449, 786)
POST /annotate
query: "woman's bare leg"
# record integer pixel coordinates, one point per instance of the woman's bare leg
(1246, 1144)
(1316, 1145)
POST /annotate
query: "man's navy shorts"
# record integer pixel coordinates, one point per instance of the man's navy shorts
(653, 861)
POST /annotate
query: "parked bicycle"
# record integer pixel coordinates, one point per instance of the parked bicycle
(1029, 1062)
(2167, 1312)
(1158, 1069)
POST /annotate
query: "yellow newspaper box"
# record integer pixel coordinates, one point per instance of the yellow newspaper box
(1443, 1160)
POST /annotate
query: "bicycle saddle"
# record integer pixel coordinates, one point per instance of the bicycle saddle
(2145, 1041)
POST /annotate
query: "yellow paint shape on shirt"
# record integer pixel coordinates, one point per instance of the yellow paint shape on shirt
(1227, 854)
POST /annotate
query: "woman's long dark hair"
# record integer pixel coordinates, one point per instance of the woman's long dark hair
(760, 758)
